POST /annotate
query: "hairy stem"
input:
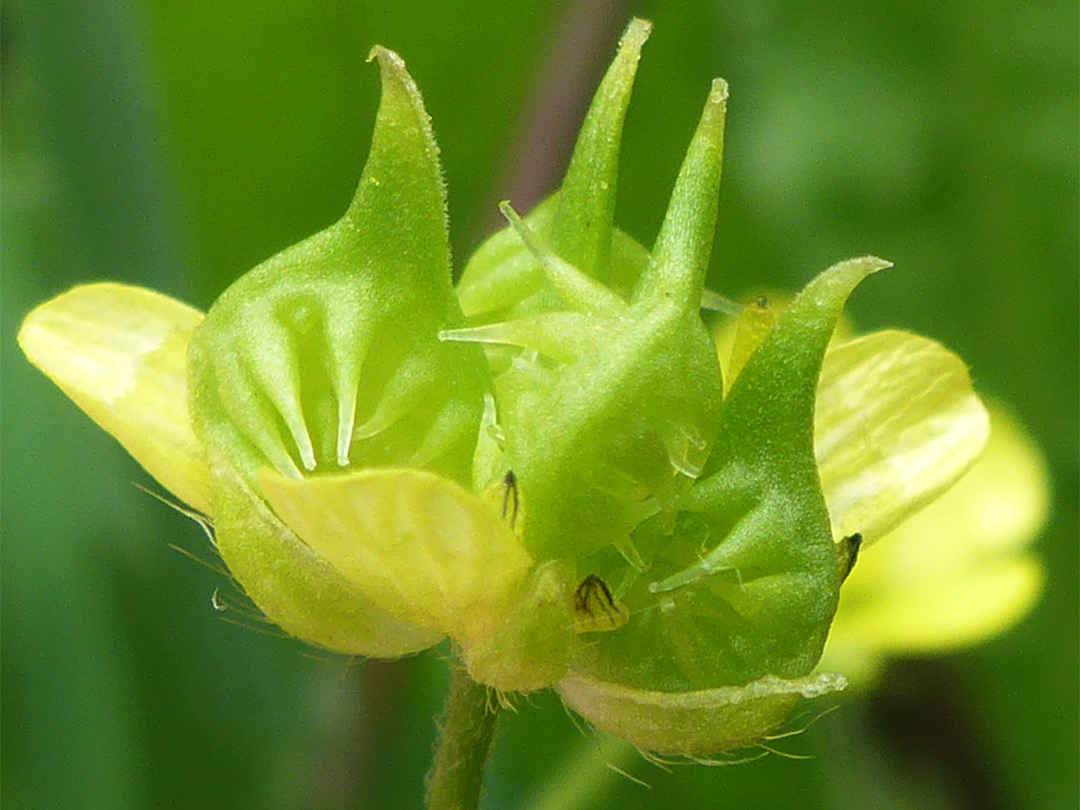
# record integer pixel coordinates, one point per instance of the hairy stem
(464, 741)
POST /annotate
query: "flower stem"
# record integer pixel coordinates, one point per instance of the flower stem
(457, 772)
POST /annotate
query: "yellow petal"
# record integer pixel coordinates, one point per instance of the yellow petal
(734, 349)
(752, 325)
(897, 422)
(941, 614)
(954, 574)
(417, 545)
(294, 588)
(120, 354)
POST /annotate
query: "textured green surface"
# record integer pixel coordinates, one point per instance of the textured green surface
(747, 584)
(178, 145)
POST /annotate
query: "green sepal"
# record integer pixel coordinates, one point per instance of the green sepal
(502, 279)
(610, 405)
(326, 355)
(680, 257)
(582, 230)
(746, 583)
(693, 724)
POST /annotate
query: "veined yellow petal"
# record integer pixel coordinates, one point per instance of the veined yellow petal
(296, 589)
(955, 573)
(417, 545)
(120, 354)
(995, 510)
(897, 422)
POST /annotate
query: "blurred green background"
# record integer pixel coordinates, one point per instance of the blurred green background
(176, 144)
